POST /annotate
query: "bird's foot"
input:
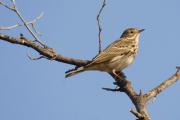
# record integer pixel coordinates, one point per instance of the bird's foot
(119, 74)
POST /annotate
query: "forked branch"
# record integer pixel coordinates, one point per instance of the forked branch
(15, 9)
(32, 23)
(47, 52)
(138, 99)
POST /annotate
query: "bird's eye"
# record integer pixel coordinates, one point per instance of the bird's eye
(132, 32)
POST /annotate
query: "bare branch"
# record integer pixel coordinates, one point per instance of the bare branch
(26, 25)
(154, 92)
(36, 18)
(5, 5)
(47, 51)
(10, 27)
(99, 25)
(35, 58)
(112, 90)
(139, 100)
(32, 22)
(15, 9)
(137, 114)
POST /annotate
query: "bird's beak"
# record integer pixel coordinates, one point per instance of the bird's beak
(141, 30)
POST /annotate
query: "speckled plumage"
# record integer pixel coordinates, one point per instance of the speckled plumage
(116, 56)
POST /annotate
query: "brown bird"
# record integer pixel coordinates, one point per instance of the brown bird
(116, 56)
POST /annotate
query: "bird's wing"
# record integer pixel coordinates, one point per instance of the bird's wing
(117, 48)
(120, 43)
(109, 55)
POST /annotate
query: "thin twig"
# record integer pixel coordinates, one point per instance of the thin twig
(32, 22)
(5, 5)
(26, 25)
(99, 25)
(15, 9)
(35, 58)
(112, 90)
(10, 27)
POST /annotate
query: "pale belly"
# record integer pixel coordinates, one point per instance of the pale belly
(121, 63)
(118, 63)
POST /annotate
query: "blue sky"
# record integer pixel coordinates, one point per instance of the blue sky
(37, 90)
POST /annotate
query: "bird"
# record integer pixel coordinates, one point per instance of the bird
(115, 57)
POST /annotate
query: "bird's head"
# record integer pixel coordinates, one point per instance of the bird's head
(131, 32)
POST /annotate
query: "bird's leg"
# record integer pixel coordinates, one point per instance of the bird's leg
(114, 72)
(119, 75)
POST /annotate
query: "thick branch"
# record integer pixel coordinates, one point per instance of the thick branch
(124, 85)
(138, 100)
(48, 52)
(154, 92)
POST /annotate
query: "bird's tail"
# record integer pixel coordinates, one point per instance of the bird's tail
(75, 71)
